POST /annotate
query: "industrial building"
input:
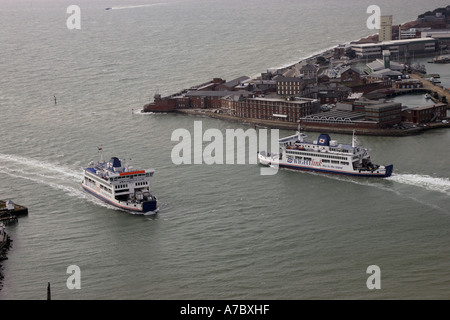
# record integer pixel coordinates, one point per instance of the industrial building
(399, 49)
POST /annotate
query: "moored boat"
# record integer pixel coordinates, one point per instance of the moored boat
(440, 59)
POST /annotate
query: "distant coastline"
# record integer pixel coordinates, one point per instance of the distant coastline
(292, 70)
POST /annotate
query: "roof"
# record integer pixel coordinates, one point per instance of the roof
(388, 72)
(384, 105)
(308, 66)
(432, 106)
(300, 101)
(289, 79)
(336, 116)
(206, 93)
(393, 42)
(379, 65)
(235, 82)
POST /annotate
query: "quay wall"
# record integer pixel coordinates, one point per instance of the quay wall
(334, 128)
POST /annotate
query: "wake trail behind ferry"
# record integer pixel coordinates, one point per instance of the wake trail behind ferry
(441, 185)
(45, 173)
(41, 166)
(433, 184)
(139, 6)
(71, 191)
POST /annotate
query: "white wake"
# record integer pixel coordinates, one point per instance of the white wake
(430, 183)
(138, 6)
(50, 174)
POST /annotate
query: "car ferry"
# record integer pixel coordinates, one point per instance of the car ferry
(324, 155)
(120, 186)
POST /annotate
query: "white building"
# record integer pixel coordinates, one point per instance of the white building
(396, 47)
(385, 33)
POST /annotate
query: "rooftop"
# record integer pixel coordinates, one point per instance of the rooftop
(393, 42)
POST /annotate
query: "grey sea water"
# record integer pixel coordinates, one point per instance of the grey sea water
(224, 231)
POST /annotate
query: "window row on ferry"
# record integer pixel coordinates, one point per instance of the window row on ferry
(102, 187)
(133, 176)
(315, 155)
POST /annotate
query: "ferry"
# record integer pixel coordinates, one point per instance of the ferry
(120, 186)
(324, 155)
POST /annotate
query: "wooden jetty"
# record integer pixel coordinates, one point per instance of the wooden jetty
(8, 207)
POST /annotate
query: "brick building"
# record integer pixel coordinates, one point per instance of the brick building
(231, 85)
(289, 86)
(351, 74)
(308, 71)
(408, 84)
(384, 113)
(326, 93)
(425, 114)
(274, 109)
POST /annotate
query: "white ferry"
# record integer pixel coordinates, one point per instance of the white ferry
(120, 186)
(324, 155)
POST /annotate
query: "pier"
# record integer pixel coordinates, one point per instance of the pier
(432, 88)
(10, 208)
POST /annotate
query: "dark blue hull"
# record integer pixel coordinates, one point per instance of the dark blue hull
(147, 206)
(388, 172)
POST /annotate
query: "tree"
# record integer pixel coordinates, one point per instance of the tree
(321, 60)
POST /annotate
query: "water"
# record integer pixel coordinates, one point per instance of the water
(224, 231)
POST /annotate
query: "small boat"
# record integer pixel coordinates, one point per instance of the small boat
(427, 96)
(108, 8)
(440, 59)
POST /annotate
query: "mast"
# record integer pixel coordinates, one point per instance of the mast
(354, 141)
(101, 154)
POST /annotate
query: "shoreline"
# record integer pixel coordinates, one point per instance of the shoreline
(210, 113)
(291, 69)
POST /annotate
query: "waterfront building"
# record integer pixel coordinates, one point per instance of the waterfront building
(289, 86)
(425, 114)
(442, 37)
(411, 33)
(326, 93)
(408, 84)
(308, 71)
(366, 114)
(397, 48)
(233, 84)
(208, 86)
(350, 74)
(384, 113)
(286, 110)
(385, 33)
(338, 119)
(378, 65)
(209, 99)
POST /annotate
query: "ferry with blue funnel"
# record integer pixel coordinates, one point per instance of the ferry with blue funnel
(324, 155)
(120, 186)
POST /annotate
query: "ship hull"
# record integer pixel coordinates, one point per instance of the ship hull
(146, 207)
(385, 174)
(379, 173)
